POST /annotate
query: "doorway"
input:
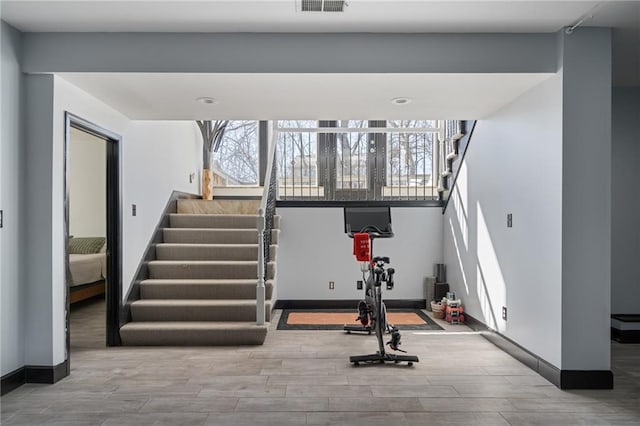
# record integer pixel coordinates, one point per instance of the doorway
(100, 229)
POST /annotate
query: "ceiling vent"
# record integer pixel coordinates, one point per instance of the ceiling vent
(322, 5)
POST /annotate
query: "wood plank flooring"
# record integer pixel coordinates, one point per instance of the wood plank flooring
(304, 377)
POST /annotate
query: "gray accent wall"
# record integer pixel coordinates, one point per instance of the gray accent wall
(38, 214)
(586, 199)
(625, 201)
(289, 53)
(11, 235)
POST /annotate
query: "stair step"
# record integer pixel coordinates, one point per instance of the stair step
(191, 333)
(207, 269)
(202, 289)
(214, 236)
(174, 251)
(219, 206)
(195, 310)
(235, 221)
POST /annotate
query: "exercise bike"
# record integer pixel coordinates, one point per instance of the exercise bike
(372, 312)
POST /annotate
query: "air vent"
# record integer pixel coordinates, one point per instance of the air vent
(322, 5)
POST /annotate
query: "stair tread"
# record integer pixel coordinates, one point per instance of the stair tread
(247, 245)
(212, 229)
(203, 262)
(213, 214)
(203, 281)
(191, 325)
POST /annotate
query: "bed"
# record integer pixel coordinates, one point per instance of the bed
(88, 267)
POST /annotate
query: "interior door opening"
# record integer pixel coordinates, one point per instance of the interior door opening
(92, 226)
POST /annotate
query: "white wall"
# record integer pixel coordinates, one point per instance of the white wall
(513, 165)
(157, 158)
(87, 185)
(625, 201)
(11, 292)
(313, 250)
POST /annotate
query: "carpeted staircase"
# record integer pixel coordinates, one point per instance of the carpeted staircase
(202, 286)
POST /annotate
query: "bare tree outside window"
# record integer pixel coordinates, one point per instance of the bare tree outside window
(410, 155)
(237, 157)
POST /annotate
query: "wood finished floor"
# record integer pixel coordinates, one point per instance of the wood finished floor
(303, 377)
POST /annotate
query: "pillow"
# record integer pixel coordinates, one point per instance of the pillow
(86, 245)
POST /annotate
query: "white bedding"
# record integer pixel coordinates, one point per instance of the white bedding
(87, 268)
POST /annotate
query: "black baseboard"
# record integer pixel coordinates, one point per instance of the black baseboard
(346, 304)
(47, 374)
(563, 379)
(13, 380)
(34, 374)
(589, 379)
(625, 336)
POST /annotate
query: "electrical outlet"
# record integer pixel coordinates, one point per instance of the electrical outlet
(134, 210)
(359, 284)
(509, 220)
(504, 313)
(332, 285)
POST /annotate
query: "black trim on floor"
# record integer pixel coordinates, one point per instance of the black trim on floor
(626, 317)
(563, 379)
(625, 336)
(13, 380)
(34, 374)
(362, 203)
(46, 374)
(588, 379)
(346, 304)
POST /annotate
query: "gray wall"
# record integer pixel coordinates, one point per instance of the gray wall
(11, 235)
(625, 201)
(290, 53)
(38, 214)
(586, 199)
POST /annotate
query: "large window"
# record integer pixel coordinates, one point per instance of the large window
(351, 160)
(237, 158)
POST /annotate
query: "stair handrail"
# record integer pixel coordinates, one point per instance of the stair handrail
(264, 224)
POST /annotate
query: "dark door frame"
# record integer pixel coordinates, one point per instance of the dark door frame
(113, 282)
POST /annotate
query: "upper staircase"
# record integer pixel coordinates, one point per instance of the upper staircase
(201, 288)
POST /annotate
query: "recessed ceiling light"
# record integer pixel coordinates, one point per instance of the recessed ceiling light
(400, 101)
(207, 100)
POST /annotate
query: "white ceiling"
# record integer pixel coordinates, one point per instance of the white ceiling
(171, 96)
(284, 16)
(305, 96)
